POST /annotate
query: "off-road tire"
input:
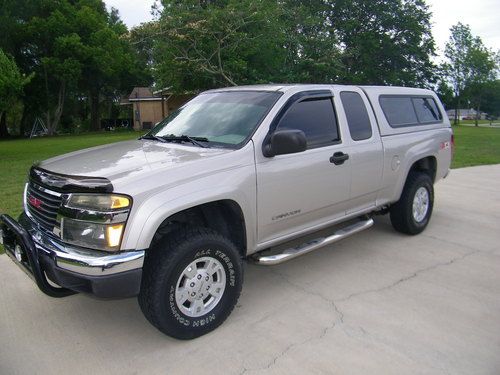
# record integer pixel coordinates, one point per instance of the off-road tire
(165, 262)
(401, 212)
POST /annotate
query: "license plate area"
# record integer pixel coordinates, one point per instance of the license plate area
(15, 250)
(21, 248)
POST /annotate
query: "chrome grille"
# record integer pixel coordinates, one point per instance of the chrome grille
(43, 204)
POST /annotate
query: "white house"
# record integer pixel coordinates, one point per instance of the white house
(465, 114)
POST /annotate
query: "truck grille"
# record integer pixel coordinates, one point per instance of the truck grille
(43, 204)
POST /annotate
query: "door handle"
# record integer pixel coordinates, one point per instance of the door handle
(339, 158)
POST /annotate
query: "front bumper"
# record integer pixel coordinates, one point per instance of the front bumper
(43, 257)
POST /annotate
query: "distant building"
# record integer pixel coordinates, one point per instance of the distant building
(150, 107)
(465, 114)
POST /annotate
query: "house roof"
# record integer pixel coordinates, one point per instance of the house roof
(163, 91)
(142, 93)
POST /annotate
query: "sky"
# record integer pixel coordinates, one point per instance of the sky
(483, 16)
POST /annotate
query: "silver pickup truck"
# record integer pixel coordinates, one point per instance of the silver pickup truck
(170, 217)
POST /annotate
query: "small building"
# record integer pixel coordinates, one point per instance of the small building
(150, 107)
(465, 114)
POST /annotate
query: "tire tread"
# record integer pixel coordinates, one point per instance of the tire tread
(160, 262)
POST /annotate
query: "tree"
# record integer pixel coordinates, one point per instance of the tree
(456, 68)
(384, 42)
(11, 88)
(482, 71)
(56, 51)
(311, 45)
(14, 16)
(79, 51)
(109, 64)
(142, 42)
(445, 93)
(204, 44)
(468, 68)
(491, 98)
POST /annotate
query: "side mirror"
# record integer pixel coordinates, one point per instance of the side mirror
(285, 141)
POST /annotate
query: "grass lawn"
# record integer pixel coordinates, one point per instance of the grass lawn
(472, 122)
(474, 146)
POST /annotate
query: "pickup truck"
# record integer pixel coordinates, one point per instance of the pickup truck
(171, 216)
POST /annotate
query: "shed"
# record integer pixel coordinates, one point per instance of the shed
(150, 107)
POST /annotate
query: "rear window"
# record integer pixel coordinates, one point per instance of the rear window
(427, 110)
(410, 110)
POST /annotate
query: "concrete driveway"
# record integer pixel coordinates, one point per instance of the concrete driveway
(377, 303)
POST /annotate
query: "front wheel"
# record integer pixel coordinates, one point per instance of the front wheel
(413, 211)
(191, 282)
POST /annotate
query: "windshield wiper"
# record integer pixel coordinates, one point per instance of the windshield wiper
(153, 137)
(186, 138)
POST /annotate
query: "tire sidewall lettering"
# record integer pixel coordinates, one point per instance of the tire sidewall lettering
(212, 315)
(175, 311)
(230, 267)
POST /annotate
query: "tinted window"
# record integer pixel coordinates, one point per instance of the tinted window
(427, 110)
(357, 116)
(399, 111)
(316, 118)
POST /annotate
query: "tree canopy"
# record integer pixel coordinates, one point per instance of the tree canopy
(469, 68)
(204, 44)
(80, 55)
(12, 83)
(76, 50)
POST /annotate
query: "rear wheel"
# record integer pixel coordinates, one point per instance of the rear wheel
(191, 282)
(413, 211)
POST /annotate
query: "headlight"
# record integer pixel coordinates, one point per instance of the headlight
(98, 202)
(94, 221)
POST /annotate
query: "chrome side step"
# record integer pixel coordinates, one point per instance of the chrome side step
(294, 252)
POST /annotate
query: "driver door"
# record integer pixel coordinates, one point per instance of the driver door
(296, 192)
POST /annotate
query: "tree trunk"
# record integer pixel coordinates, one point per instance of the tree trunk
(94, 110)
(60, 105)
(4, 133)
(24, 121)
(47, 96)
(478, 109)
(52, 125)
(478, 114)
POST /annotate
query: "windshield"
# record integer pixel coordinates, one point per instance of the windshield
(223, 118)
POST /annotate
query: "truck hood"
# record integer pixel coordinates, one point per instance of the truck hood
(124, 159)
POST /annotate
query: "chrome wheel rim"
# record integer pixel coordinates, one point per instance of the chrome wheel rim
(200, 287)
(420, 204)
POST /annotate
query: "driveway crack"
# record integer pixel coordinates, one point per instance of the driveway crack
(409, 277)
(339, 314)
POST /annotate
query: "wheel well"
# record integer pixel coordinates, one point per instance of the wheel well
(224, 216)
(427, 165)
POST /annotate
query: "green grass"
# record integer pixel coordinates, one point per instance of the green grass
(17, 156)
(473, 122)
(476, 146)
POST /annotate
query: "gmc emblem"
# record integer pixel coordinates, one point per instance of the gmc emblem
(35, 202)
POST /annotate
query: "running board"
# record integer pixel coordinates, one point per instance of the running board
(294, 252)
